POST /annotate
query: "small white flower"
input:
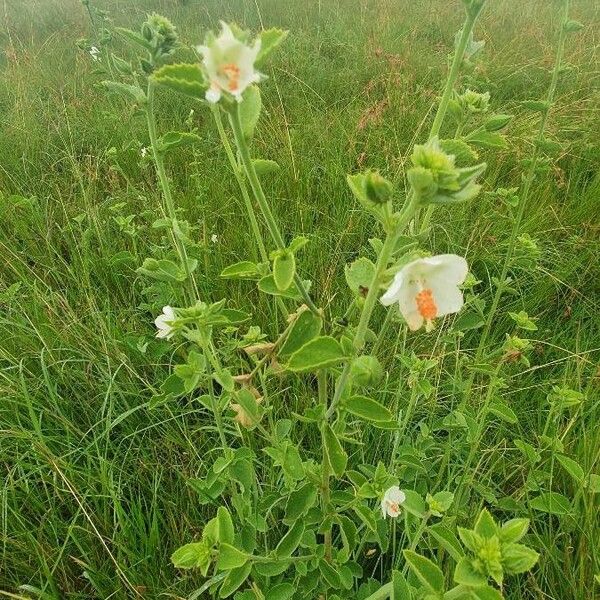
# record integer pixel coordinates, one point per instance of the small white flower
(229, 65)
(392, 499)
(144, 152)
(427, 288)
(214, 238)
(163, 323)
(95, 53)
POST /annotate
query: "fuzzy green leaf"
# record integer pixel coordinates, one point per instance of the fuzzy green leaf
(336, 455)
(320, 352)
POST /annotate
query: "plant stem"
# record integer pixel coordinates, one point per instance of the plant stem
(440, 115)
(192, 290)
(383, 259)
(213, 360)
(242, 146)
(325, 490)
(522, 204)
(235, 167)
(238, 176)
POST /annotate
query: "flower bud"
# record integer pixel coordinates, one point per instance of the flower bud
(162, 33)
(366, 371)
(377, 188)
(422, 182)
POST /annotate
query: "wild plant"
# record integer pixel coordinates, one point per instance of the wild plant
(289, 518)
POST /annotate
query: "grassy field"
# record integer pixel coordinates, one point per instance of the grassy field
(94, 497)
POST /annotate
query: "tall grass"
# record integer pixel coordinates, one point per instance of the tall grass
(95, 497)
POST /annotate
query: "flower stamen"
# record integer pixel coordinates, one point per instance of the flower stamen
(232, 72)
(426, 304)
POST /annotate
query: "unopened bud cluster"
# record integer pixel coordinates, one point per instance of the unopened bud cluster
(436, 178)
(161, 34)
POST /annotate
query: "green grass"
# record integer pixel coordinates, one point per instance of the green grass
(94, 498)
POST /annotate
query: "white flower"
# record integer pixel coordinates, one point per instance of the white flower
(95, 53)
(427, 288)
(144, 152)
(163, 323)
(392, 499)
(229, 65)
(214, 238)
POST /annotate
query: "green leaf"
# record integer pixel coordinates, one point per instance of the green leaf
(485, 525)
(552, 503)
(284, 269)
(269, 40)
(241, 270)
(234, 580)
(468, 320)
(305, 328)
(500, 409)
(460, 149)
(225, 379)
(282, 591)
(447, 540)
(428, 573)
(593, 483)
(572, 467)
(487, 139)
(465, 573)
(357, 184)
(186, 79)
(497, 122)
(330, 575)
(400, 588)
(135, 37)
(124, 89)
(190, 556)
(234, 316)
(289, 542)
(267, 285)
(367, 409)
(173, 139)
(245, 398)
(513, 530)
(336, 455)
(485, 592)
(230, 557)
(263, 166)
(249, 110)
(359, 275)
(365, 514)
(165, 270)
(225, 526)
(320, 352)
(300, 501)
(572, 26)
(517, 558)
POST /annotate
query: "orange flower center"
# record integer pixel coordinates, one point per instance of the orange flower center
(393, 506)
(232, 72)
(426, 304)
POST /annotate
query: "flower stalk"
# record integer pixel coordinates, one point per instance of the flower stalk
(512, 240)
(255, 185)
(192, 289)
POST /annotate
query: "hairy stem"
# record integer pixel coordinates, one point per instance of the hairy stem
(259, 195)
(440, 115)
(192, 290)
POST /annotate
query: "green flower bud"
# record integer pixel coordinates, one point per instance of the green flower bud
(147, 32)
(475, 102)
(422, 182)
(377, 188)
(162, 33)
(366, 371)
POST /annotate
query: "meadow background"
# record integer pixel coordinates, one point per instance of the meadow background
(94, 476)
